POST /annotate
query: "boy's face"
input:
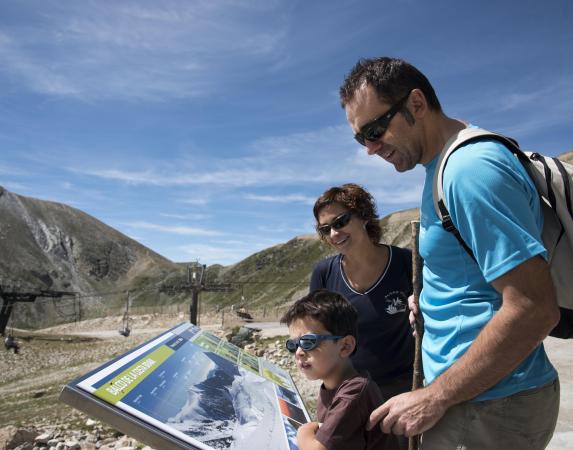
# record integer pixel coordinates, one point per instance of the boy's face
(324, 360)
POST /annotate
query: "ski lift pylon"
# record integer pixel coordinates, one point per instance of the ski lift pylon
(126, 320)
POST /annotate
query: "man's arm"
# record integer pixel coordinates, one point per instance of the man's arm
(306, 437)
(528, 313)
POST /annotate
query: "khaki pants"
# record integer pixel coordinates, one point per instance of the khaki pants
(523, 421)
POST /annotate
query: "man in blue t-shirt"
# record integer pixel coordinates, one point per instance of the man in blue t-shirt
(489, 383)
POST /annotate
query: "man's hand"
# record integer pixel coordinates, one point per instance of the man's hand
(414, 314)
(409, 414)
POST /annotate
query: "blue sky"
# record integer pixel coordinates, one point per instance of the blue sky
(206, 129)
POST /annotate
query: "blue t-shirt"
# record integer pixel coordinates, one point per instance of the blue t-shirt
(495, 206)
(385, 344)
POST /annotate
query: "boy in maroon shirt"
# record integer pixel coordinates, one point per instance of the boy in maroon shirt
(322, 329)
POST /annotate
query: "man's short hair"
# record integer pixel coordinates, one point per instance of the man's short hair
(391, 78)
(329, 308)
(356, 199)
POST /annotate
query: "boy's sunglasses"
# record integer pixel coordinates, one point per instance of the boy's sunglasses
(308, 342)
(374, 130)
(338, 223)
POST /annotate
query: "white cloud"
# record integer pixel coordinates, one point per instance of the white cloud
(13, 171)
(227, 251)
(285, 230)
(407, 195)
(14, 186)
(214, 254)
(197, 201)
(190, 216)
(138, 50)
(322, 158)
(175, 229)
(289, 198)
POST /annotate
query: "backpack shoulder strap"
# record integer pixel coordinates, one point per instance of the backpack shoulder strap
(464, 136)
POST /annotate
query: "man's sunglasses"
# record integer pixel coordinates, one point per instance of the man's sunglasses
(308, 342)
(374, 130)
(338, 223)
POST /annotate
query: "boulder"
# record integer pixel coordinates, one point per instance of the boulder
(11, 437)
(43, 438)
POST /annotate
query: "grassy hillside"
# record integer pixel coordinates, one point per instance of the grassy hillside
(279, 275)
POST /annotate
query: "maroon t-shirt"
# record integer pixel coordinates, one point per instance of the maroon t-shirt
(344, 413)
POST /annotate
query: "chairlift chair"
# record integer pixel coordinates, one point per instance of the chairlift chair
(10, 341)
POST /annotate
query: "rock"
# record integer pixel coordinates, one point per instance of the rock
(11, 437)
(43, 438)
(124, 442)
(72, 445)
(91, 423)
(26, 446)
(107, 441)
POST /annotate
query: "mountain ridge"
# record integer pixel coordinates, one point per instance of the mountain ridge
(53, 246)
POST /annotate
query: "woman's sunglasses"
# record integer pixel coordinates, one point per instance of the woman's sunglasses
(308, 342)
(338, 223)
(374, 130)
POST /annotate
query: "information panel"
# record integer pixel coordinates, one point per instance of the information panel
(190, 389)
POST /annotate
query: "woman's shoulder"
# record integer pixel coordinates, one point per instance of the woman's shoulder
(328, 262)
(326, 273)
(400, 253)
(401, 261)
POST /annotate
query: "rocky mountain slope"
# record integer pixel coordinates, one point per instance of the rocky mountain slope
(47, 245)
(51, 246)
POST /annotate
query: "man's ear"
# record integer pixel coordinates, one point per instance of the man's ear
(418, 104)
(348, 346)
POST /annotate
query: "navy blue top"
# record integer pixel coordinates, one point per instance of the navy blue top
(385, 342)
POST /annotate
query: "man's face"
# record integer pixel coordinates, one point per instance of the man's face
(396, 144)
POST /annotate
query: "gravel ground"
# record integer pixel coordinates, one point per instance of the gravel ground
(30, 382)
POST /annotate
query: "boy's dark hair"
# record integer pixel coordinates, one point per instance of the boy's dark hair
(391, 78)
(329, 308)
(356, 199)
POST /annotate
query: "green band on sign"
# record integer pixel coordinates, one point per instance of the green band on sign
(118, 387)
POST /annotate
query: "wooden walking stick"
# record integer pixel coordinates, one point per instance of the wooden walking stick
(417, 263)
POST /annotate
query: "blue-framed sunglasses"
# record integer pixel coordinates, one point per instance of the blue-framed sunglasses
(308, 342)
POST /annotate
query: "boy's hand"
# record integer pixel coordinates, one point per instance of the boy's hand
(305, 437)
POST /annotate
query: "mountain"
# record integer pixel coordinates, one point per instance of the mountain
(48, 245)
(51, 246)
(277, 275)
(567, 157)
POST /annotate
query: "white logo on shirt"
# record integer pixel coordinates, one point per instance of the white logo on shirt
(395, 302)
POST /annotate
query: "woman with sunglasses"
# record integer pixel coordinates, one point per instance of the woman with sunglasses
(375, 277)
